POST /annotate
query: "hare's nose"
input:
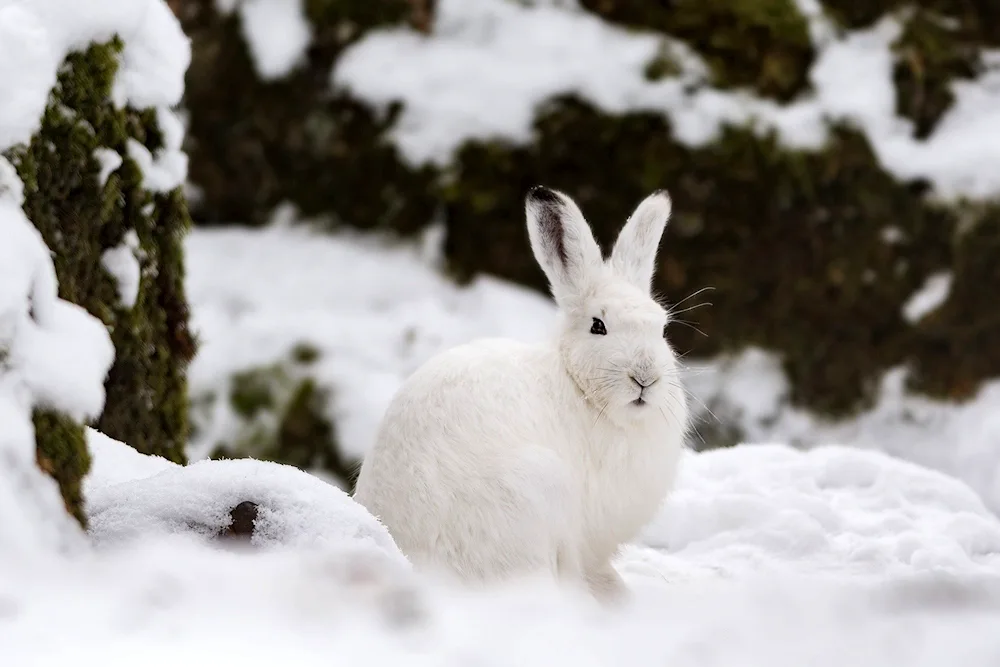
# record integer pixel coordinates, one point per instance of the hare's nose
(645, 381)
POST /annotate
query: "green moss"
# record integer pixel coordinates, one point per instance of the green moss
(305, 353)
(662, 66)
(257, 144)
(941, 43)
(792, 241)
(931, 54)
(252, 391)
(146, 404)
(979, 19)
(283, 411)
(958, 344)
(762, 44)
(61, 451)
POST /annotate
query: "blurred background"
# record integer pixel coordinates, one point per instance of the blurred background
(357, 171)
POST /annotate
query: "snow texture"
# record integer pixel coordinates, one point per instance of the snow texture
(932, 294)
(278, 34)
(122, 263)
(764, 555)
(35, 38)
(52, 355)
(110, 160)
(295, 509)
(960, 439)
(114, 462)
(490, 63)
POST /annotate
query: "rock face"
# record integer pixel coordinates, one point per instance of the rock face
(116, 243)
(812, 253)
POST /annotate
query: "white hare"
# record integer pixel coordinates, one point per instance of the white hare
(500, 458)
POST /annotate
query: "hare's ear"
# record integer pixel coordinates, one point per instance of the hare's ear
(561, 240)
(634, 254)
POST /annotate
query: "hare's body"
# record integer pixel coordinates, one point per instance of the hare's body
(549, 485)
(499, 458)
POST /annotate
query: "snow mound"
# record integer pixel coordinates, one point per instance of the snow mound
(830, 510)
(114, 462)
(295, 509)
(751, 390)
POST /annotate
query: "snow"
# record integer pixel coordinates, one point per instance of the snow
(929, 297)
(35, 38)
(295, 509)
(764, 555)
(161, 172)
(122, 263)
(490, 63)
(110, 160)
(52, 355)
(256, 294)
(114, 462)
(959, 439)
(278, 34)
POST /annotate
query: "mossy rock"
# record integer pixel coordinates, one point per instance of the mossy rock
(793, 242)
(80, 218)
(61, 451)
(283, 415)
(256, 144)
(942, 42)
(933, 52)
(763, 44)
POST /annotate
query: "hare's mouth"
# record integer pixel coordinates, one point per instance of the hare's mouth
(639, 401)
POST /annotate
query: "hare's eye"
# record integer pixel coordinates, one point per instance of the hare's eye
(598, 327)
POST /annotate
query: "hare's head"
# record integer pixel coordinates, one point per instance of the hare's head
(613, 341)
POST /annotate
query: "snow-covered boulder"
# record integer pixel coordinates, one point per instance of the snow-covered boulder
(293, 509)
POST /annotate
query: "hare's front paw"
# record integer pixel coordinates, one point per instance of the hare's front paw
(607, 585)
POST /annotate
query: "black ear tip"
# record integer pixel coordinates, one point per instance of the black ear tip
(540, 194)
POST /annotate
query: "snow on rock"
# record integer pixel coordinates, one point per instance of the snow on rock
(929, 297)
(114, 462)
(278, 34)
(255, 294)
(490, 63)
(295, 509)
(110, 160)
(52, 355)
(122, 264)
(35, 38)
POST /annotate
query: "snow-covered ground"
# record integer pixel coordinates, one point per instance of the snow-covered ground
(765, 555)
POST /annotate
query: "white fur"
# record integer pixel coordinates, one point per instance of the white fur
(499, 459)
